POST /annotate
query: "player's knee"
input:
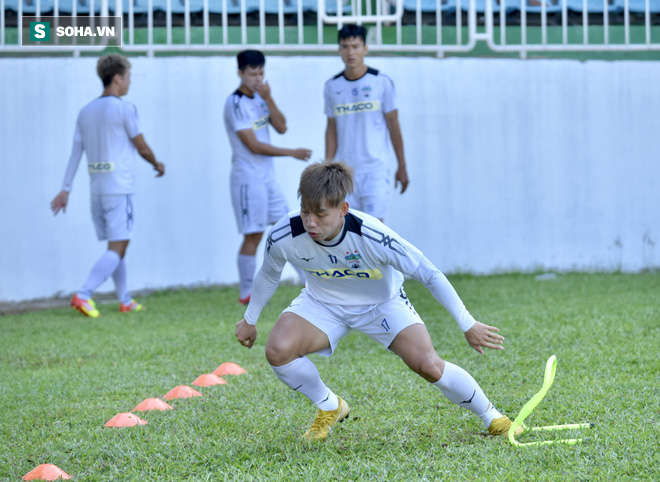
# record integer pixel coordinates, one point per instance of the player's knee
(430, 367)
(279, 351)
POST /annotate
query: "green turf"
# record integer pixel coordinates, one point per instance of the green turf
(450, 39)
(62, 376)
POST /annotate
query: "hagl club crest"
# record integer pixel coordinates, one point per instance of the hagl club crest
(353, 260)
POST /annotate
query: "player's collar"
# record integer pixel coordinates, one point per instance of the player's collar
(351, 223)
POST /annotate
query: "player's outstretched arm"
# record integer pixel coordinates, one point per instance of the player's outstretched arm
(482, 336)
(248, 138)
(401, 176)
(147, 154)
(477, 334)
(59, 202)
(246, 333)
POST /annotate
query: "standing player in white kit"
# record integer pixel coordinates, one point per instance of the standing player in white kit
(256, 196)
(360, 103)
(107, 131)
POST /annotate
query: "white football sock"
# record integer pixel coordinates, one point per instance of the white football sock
(121, 286)
(103, 268)
(459, 387)
(247, 265)
(301, 375)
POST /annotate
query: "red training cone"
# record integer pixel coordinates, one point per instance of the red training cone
(182, 391)
(152, 404)
(46, 472)
(228, 368)
(208, 380)
(125, 420)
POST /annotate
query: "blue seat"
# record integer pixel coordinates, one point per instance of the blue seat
(30, 6)
(429, 6)
(593, 6)
(330, 7)
(194, 6)
(82, 6)
(639, 6)
(139, 6)
(480, 5)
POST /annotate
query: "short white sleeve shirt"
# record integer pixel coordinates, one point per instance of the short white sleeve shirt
(359, 107)
(243, 112)
(106, 127)
(364, 266)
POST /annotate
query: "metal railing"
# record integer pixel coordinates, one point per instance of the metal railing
(422, 26)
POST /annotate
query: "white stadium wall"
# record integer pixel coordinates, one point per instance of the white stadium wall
(514, 165)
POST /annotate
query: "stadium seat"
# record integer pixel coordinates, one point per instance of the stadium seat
(429, 6)
(593, 6)
(551, 6)
(480, 5)
(511, 6)
(139, 6)
(82, 6)
(639, 6)
(330, 6)
(30, 6)
(195, 6)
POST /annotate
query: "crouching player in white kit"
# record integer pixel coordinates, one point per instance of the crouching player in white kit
(355, 266)
(107, 131)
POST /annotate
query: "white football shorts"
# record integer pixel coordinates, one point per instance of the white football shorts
(371, 191)
(113, 216)
(257, 205)
(381, 322)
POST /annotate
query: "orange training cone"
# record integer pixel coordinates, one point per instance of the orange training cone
(208, 380)
(46, 472)
(152, 404)
(125, 420)
(228, 368)
(182, 391)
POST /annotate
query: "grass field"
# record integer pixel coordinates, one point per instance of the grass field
(63, 376)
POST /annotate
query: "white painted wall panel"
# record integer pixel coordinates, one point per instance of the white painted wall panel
(514, 165)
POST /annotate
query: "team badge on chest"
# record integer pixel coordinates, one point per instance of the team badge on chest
(353, 260)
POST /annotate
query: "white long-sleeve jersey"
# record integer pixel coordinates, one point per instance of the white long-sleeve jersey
(363, 266)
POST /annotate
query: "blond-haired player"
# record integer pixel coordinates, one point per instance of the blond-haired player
(355, 267)
(108, 132)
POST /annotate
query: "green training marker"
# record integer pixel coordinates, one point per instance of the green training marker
(548, 378)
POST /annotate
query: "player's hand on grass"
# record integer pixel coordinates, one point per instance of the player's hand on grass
(59, 202)
(302, 154)
(481, 335)
(160, 167)
(401, 177)
(246, 333)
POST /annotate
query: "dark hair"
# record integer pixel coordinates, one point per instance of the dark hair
(351, 30)
(250, 58)
(110, 65)
(325, 181)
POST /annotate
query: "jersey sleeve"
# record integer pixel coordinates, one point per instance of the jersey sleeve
(392, 248)
(77, 150)
(327, 95)
(442, 290)
(389, 95)
(240, 118)
(268, 277)
(130, 119)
